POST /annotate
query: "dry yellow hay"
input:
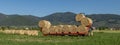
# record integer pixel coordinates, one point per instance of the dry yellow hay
(17, 32)
(45, 31)
(34, 32)
(59, 28)
(7, 31)
(21, 32)
(53, 29)
(73, 28)
(79, 17)
(13, 31)
(67, 28)
(82, 28)
(44, 24)
(29, 32)
(86, 21)
(1, 31)
(26, 32)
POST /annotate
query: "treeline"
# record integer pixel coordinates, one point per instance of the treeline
(19, 28)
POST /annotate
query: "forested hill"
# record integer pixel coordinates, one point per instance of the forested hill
(100, 20)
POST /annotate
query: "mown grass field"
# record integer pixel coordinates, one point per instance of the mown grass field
(99, 38)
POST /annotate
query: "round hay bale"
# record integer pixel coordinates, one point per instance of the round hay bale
(86, 22)
(1, 30)
(59, 29)
(29, 32)
(7, 31)
(44, 24)
(79, 17)
(66, 29)
(34, 32)
(73, 29)
(82, 29)
(45, 31)
(13, 31)
(21, 32)
(26, 32)
(53, 30)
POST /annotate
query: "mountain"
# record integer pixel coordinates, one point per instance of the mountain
(61, 18)
(18, 20)
(100, 20)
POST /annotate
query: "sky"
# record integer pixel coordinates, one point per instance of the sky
(45, 7)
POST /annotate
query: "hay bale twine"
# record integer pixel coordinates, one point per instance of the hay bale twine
(82, 29)
(52, 30)
(44, 24)
(86, 22)
(79, 17)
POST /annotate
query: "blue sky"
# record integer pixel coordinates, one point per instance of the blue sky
(45, 7)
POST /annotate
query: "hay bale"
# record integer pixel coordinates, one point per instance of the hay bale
(34, 32)
(30, 32)
(44, 24)
(26, 32)
(66, 28)
(59, 29)
(79, 17)
(82, 29)
(12, 31)
(45, 31)
(1, 31)
(86, 22)
(7, 31)
(17, 32)
(21, 32)
(53, 30)
(73, 29)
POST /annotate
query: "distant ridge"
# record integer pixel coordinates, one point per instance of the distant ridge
(106, 20)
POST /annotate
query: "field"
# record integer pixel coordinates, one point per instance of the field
(99, 38)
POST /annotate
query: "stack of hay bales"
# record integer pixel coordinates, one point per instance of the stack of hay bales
(86, 22)
(32, 32)
(45, 25)
(21, 32)
(82, 29)
(7, 31)
(67, 29)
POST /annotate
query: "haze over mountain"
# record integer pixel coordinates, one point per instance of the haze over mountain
(100, 20)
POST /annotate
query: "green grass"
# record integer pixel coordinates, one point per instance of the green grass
(99, 38)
